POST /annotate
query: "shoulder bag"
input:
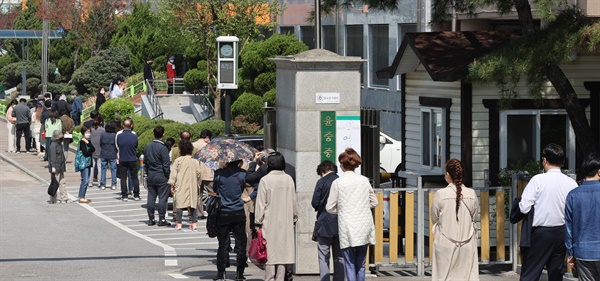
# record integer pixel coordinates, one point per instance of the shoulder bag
(81, 162)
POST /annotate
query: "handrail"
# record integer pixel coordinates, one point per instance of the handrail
(2, 109)
(158, 113)
(137, 88)
(201, 98)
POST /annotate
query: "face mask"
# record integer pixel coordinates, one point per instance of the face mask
(102, 91)
(87, 135)
(171, 61)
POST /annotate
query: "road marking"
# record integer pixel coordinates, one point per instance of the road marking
(182, 238)
(170, 262)
(123, 210)
(134, 215)
(200, 243)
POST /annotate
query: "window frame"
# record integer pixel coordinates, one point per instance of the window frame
(442, 111)
(372, 67)
(570, 151)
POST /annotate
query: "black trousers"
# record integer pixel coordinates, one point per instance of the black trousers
(236, 223)
(160, 190)
(547, 249)
(122, 169)
(23, 128)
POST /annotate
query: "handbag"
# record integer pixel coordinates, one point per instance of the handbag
(314, 234)
(53, 187)
(81, 162)
(258, 249)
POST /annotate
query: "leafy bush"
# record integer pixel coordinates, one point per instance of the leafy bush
(264, 82)
(119, 107)
(98, 71)
(60, 89)
(270, 97)
(193, 80)
(12, 72)
(172, 130)
(240, 125)
(217, 127)
(250, 105)
(141, 126)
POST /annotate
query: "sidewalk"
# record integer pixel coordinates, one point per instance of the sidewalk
(194, 262)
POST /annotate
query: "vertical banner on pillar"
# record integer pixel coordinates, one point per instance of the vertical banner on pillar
(347, 134)
(328, 136)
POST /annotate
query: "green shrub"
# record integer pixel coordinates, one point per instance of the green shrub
(141, 126)
(11, 73)
(117, 108)
(217, 127)
(193, 80)
(250, 105)
(270, 97)
(98, 71)
(172, 130)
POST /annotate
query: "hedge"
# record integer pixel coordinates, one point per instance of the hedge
(117, 108)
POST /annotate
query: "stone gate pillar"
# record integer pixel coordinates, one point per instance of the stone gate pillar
(300, 79)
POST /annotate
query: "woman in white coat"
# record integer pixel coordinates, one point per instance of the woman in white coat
(276, 210)
(352, 198)
(453, 214)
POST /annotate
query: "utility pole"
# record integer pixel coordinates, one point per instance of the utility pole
(45, 51)
(317, 24)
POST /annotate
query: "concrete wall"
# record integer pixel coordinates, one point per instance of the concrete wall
(299, 78)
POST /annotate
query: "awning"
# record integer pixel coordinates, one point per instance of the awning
(29, 34)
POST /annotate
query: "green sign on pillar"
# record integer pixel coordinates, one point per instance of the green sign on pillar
(328, 136)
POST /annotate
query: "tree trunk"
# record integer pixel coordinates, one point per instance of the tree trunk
(583, 131)
(218, 96)
(525, 16)
(76, 58)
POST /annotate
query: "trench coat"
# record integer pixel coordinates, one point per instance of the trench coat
(186, 177)
(276, 209)
(455, 242)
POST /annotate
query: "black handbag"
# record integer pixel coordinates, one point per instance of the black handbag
(53, 187)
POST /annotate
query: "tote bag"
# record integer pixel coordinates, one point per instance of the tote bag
(81, 162)
(53, 187)
(258, 249)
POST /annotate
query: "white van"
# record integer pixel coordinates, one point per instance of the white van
(390, 153)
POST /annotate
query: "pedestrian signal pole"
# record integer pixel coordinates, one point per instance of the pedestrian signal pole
(227, 58)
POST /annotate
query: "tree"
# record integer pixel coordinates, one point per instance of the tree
(529, 59)
(99, 70)
(205, 20)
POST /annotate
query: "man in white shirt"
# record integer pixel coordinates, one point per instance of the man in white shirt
(547, 193)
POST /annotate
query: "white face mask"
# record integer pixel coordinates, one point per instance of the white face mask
(102, 91)
(87, 135)
(171, 61)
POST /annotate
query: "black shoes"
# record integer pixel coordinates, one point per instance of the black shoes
(220, 276)
(163, 222)
(151, 222)
(202, 217)
(239, 276)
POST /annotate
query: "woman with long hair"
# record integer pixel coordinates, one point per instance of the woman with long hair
(453, 213)
(276, 211)
(10, 125)
(50, 125)
(351, 197)
(87, 149)
(36, 125)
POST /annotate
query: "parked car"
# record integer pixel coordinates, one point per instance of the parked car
(390, 153)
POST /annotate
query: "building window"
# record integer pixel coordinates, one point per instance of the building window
(525, 133)
(433, 139)
(354, 45)
(380, 53)
(286, 30)
(329, 41)
(307, 36)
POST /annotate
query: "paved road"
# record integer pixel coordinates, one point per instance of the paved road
(107, 239)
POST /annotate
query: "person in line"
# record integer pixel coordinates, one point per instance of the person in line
(23, 123)
(11, 126)
(61, 103)
(45, 116)
(547, 193)
(326, 229)
(36, 125)
(582, 221)
(52, 123)
(96, 132)
(108, 156)
(229, 184)
(207, 173)
(76, 108)
(100, 99)
(170, 143)
(116, 90)
(351, 197)
(93, 115)
(57, 166)
(87, 149)
(158, 165)
(175, 153)
(148, 71)
(171, 74)
(67, 126)
(453, 214)
(184, 181)
(276, 211)
(127, 142)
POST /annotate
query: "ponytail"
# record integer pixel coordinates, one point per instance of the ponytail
(455, 170)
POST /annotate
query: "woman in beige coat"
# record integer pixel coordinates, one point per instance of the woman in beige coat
(276, 210)
(185, 179)
(453, 214)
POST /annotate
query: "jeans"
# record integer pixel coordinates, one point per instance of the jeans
(129, 167)
(324, 245)
(95, 169)
(236, 223)
(588, 270)
(85, 175)
(160, 190)
(23, 128)
(354, 260)
(113, 171)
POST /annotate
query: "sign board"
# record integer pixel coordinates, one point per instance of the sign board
(227, 57)
(328, 98)
(347, 134)
(328, 136)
